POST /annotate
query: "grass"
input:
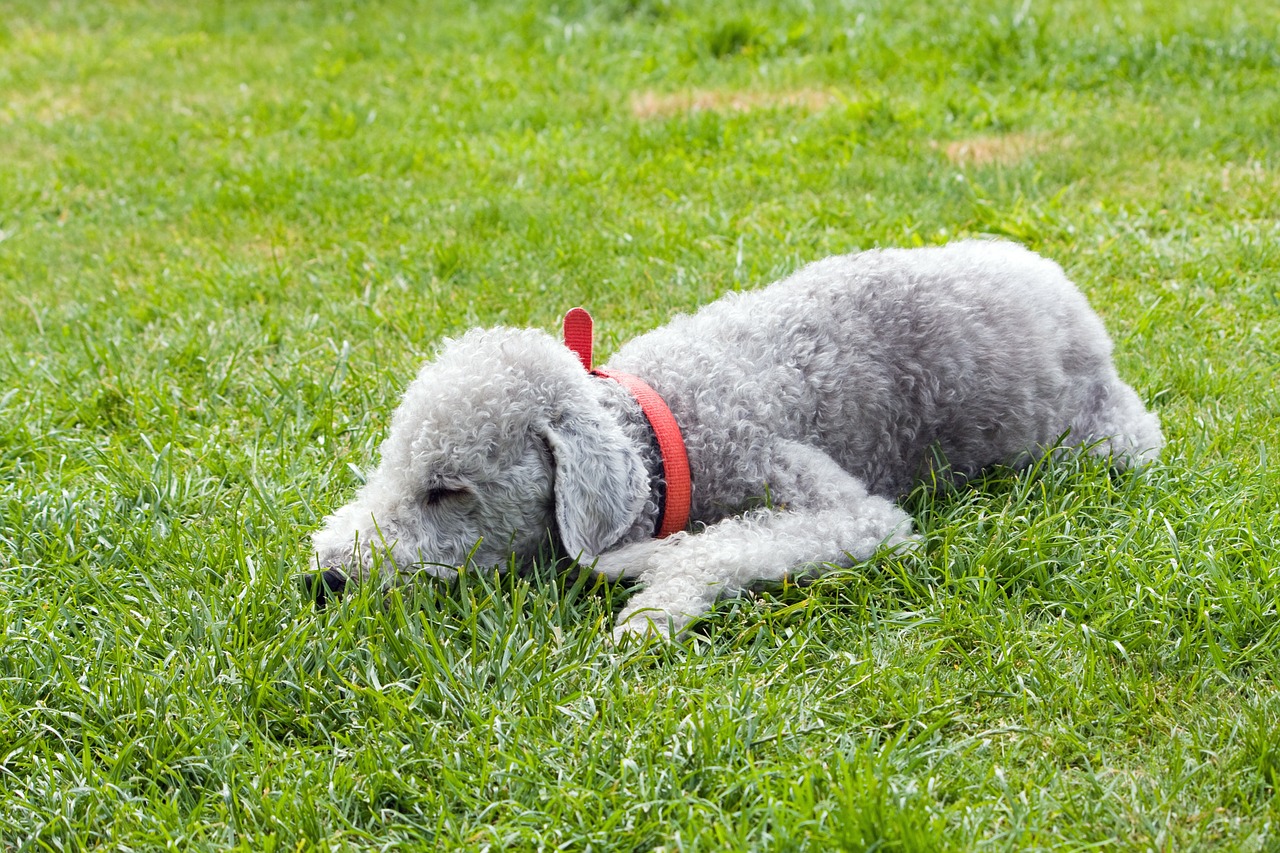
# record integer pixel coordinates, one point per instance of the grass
(230, 231)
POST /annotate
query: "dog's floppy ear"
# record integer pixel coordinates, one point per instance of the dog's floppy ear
(600, 483)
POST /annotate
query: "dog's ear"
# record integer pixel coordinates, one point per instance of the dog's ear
(600, 484)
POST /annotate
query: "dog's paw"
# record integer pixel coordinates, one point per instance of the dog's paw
(644, 626)
(901, 544)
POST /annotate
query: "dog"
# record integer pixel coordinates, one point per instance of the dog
(801, 412)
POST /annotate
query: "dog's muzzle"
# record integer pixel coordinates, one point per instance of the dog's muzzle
(328, 583)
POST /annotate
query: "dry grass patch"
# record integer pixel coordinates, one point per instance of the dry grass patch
(653, 105)
(46, 105)
(1004, 150)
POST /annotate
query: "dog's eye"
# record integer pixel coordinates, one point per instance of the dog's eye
(441, 494)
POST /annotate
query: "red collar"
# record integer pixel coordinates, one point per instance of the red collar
(675, 462)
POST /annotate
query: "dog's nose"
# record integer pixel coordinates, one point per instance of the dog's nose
(330, 582)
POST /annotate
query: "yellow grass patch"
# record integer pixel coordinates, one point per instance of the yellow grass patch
(998, 150)
(651, 105)
(274, 248)
(47, 105)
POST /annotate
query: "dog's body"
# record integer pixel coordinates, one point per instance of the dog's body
(825, 396)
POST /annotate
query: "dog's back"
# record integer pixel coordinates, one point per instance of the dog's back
(886, 360)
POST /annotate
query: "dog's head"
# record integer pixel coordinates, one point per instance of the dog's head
(499, 442)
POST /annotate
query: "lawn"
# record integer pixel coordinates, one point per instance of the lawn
(230, 231)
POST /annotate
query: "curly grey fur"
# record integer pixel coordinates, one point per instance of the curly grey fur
(832, 392)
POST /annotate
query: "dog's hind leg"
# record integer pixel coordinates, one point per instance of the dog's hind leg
(1115, 424)
(822, 515)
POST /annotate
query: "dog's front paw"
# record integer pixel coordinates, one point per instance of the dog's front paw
(641, 626)
(902, 543)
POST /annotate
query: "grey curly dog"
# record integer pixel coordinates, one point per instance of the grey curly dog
(805, 407)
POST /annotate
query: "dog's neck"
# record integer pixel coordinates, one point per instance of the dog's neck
(636, 427)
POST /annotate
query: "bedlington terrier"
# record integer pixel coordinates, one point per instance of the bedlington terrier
(805, 408)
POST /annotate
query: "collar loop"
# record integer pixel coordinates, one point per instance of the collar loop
(674, 515)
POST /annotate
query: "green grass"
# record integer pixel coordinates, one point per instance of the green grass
(230, 231)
